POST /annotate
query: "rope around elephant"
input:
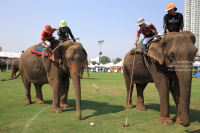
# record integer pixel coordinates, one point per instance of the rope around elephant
(96, 86)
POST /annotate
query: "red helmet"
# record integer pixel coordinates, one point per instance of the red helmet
(48, 29)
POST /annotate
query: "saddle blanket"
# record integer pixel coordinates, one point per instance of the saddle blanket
(38, 50)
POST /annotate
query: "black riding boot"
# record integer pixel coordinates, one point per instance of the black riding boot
(144, 47)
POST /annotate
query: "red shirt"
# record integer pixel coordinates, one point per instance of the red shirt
(46, 36)
(148, 31)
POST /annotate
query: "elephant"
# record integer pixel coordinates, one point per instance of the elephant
(3, 66)
(169, 66)
(85, 67)
(15, 68)
(37, 70)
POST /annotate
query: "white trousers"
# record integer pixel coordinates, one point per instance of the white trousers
(47, 43)
(147, 39)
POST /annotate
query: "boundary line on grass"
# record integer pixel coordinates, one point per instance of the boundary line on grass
(32, 119)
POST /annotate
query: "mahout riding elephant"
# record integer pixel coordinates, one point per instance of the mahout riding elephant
(37, 70)
(15, 68)
(169, 66)
(3, 66)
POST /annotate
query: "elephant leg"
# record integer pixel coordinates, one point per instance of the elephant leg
(39, 96)
(81, 71)
(163, 90)
(27, 86)
(88, 73)
(14, 75)
(64, 92)
(56, 89)
(162, 84)
(140, 96)
(128, 91)
(175, 90)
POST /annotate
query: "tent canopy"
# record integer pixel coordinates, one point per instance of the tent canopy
(10, 55)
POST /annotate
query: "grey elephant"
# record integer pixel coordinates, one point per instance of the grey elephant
(37, 70)
(85, 67)
(169, 66)
(3, 66)
(14, 68)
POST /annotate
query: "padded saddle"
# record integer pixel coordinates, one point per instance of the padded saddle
(38, 50)
(139, 49)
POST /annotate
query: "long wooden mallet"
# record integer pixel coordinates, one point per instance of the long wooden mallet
(131, 85)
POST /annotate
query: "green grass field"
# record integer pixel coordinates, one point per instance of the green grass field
(105, 108)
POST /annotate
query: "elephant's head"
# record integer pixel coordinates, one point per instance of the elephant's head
(176, 50)
(74, 55)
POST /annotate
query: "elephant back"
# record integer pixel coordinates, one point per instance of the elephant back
(141, 73)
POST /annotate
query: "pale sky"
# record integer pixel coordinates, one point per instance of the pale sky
(114, 21)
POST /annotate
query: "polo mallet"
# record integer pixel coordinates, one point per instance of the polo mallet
(97, 87)
(69, 39)
(131, 85)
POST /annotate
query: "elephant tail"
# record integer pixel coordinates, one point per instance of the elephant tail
(11, 78)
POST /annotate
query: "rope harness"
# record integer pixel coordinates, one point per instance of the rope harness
(97, 87)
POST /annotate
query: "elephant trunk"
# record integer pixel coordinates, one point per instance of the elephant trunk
(185, 80)
(13, 74)
(77, 87)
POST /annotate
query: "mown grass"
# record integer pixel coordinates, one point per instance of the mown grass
(105, 108)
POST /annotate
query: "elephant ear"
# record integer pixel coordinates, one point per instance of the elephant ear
(192, 37)
(84, 52)
(60, 50)
(156, 52)
(56, 55)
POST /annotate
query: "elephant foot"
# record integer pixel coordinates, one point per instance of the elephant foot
(165, 121)
(27, 101)
(64, 105)
(129, 106)
(141, 107)
(38, 101)
(179, 120)
(56, 110)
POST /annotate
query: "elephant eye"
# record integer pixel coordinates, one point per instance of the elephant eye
(172, 55)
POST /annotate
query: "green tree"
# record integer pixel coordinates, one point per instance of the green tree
(117, 60)
(93, 62)
(105, 59)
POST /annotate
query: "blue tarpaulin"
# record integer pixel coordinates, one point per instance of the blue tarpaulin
(198, 74)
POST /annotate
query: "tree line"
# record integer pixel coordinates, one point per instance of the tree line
(106, 59)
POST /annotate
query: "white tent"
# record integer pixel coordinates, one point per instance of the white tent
(196, 64)
(10, 55)
(93, 66)
(119, 63)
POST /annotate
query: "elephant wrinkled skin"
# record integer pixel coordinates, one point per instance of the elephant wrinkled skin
(3, 66)
(15, 68)
(170, 68)
(56, 73)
